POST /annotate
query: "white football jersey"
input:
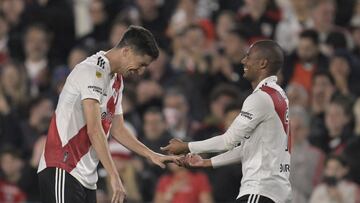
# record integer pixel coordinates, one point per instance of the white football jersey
(262, 130)
(68, 145)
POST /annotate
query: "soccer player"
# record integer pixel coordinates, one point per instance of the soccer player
(89, 109)
(259, 135)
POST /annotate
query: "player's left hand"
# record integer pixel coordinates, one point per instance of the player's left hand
(194, 160)
(160, 159)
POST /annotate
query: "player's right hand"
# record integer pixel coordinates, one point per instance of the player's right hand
(118, 190)
(176, 146)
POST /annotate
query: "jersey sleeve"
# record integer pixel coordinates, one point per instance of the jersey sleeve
(118, 108)
(255, 109)
(90, 81)
(229, 157)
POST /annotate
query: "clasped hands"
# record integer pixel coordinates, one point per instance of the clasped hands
(178, 147)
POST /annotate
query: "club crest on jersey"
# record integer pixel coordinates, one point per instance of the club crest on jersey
(107, 116)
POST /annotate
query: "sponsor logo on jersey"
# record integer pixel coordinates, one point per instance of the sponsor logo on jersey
(284, 168)
(246, 115)
(95, 89)
(98, 74)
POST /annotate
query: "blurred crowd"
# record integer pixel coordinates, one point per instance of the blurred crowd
(193, 90)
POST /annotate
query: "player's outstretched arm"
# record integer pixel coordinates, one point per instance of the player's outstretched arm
(124, 136)
(176, 146)
(229, 157)
(98, 141)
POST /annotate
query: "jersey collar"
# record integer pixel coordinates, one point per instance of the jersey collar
(107, 63)
(268, 80)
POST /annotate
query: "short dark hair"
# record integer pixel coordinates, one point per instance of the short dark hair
(345, 102)
(9, 149)
(41, 27)
(140, 40)
(325, 74)
(272, 51)
(310, 34)
(340, 158)
(154, 110)
(337, 40)
(224, 89)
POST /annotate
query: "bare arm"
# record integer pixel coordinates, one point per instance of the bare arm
(124, 136)
(99, 142)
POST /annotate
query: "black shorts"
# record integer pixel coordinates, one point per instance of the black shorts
(253, 198)
(58, 186)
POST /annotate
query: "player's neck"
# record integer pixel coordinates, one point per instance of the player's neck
(256, 82)
(114, 61)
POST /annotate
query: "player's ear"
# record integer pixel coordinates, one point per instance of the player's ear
(264, 63)
(125, 51)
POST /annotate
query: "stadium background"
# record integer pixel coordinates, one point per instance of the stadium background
(193, 91)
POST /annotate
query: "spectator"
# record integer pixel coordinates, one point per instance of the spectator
(233, 172)
(186, 15)
(182, 185)
(192, 57)
(322, 91)
(260, 18)
(37, 63)
(9, 124)
(352, 149)
(13, 11)
(225, 21)
(77, 54)
(338, 115)
(41, 110)
(226, 62)
(335, 188)
(297, 17)
(342, 69)
(306, 161)
(100, 22)
(148, 93)
(155, 136)
(335, 41)
(13, 84)
(301, 65)
(177, 116)
(323, 17)
(213, 123)
(4, 38)
(11, 165)
(154, 18)
(297, 95)
(161, 70)
(356, 38)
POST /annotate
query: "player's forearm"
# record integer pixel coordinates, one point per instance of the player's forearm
(124, 136)
(100, 144)
(229, 157)
(215, 144)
